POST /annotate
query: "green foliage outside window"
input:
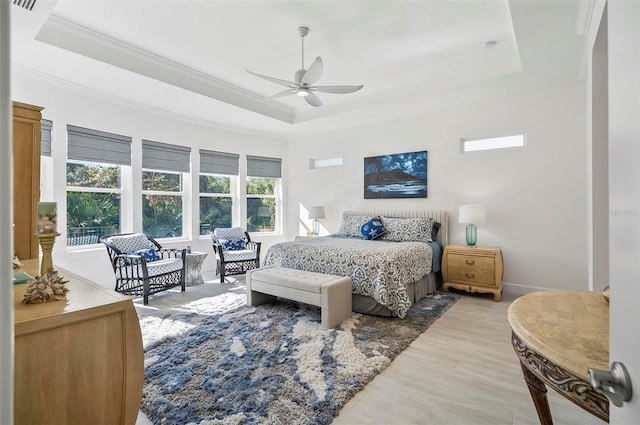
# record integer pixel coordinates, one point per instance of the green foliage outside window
(261, 185)
(93, 175)
(91, 215)
(215, 211)
(161, 213)
(261, 212)
(162, 216)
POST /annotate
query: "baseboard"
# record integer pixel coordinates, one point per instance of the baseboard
(517, 289)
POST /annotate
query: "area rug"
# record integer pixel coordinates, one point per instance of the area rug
(218, 361)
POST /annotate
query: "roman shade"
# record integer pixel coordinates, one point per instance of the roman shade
(84, 144)
(214, 162)
(45, 137)
(261, 166)
(166, 157)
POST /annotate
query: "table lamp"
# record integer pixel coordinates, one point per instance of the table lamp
(316, 213)
(471, 214)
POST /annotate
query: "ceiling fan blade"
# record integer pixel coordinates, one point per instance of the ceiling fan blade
(337, 89)
(314, 72)
(283, 93)
(313, 100)
(274, 80)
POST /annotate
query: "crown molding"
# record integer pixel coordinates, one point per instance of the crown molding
(71, 36)
(90, 91)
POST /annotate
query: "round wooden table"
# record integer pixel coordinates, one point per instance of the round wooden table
(558, 336)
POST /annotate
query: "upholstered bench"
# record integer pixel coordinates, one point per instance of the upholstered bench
(331, 293)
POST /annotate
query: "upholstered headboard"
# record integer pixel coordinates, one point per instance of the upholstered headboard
(440, 216)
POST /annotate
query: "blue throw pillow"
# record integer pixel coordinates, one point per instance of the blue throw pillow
(373, 229)
(232, 244)
(150, 254)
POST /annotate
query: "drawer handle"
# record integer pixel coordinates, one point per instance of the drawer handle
(470, 275)
(470, 262)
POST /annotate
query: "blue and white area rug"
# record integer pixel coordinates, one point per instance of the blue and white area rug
(218, 361)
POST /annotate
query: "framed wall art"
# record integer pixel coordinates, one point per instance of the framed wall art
(400, 175)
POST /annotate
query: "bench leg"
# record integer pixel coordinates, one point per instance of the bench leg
(336, 302)
(257, 298)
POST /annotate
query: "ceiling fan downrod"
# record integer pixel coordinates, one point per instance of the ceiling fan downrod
(303, 31)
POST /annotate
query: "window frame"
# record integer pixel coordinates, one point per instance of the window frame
(277, 195)
(183, 193)
(233, 189)
(85, 189)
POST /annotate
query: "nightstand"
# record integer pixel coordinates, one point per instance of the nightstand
(473, 269)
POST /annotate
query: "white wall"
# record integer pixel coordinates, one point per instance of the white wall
(535, 197)
(64, 106)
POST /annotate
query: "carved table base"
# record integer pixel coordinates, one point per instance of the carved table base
(539, 371)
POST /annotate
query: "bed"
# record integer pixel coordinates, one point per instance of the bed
(390, 272)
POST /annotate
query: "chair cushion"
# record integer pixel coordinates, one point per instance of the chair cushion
(229, 233)
(130, 243)
(239, 255)
(154, 268)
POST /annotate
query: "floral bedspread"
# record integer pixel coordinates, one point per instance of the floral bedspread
(379, 269)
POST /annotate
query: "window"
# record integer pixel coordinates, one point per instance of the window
(335, 161)
(163, 166)
(218, 182)
(471, 145)
(263, 193)
(94, 183)
(161, 203)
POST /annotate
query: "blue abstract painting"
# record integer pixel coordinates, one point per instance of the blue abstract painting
(400, 175)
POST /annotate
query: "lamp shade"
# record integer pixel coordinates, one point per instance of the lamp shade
(316, 212)
(471, 214)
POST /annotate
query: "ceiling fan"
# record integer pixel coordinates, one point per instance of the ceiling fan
(303, 80)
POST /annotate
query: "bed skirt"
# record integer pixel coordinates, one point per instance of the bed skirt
(416, 290)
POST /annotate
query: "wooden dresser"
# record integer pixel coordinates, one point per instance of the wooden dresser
(79, 360)
(477, 269)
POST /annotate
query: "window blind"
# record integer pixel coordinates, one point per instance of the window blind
(84, 144)
(261, 166)
(166, 157)
(219, 162)
(45, 137)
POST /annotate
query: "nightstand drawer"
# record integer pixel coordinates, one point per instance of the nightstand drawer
(475, 262)
(476, 276)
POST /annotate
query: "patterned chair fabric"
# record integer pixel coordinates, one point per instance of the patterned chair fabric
(236, 261)
(135, 274)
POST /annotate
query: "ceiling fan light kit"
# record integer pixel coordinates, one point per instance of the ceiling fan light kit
(305, 78)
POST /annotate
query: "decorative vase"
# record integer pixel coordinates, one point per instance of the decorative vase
(472, 235)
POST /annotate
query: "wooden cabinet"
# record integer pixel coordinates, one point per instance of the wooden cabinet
(473, 269)
(79, 360)
(26, 178)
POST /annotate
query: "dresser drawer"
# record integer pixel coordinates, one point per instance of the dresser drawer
(471, 275)
(475, 262)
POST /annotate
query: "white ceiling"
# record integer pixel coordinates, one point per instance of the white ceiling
(188, 58)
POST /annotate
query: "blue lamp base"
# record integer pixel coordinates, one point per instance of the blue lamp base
(316, 227)
(472, 235)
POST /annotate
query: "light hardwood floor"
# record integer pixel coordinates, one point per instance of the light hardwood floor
(461, 371)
